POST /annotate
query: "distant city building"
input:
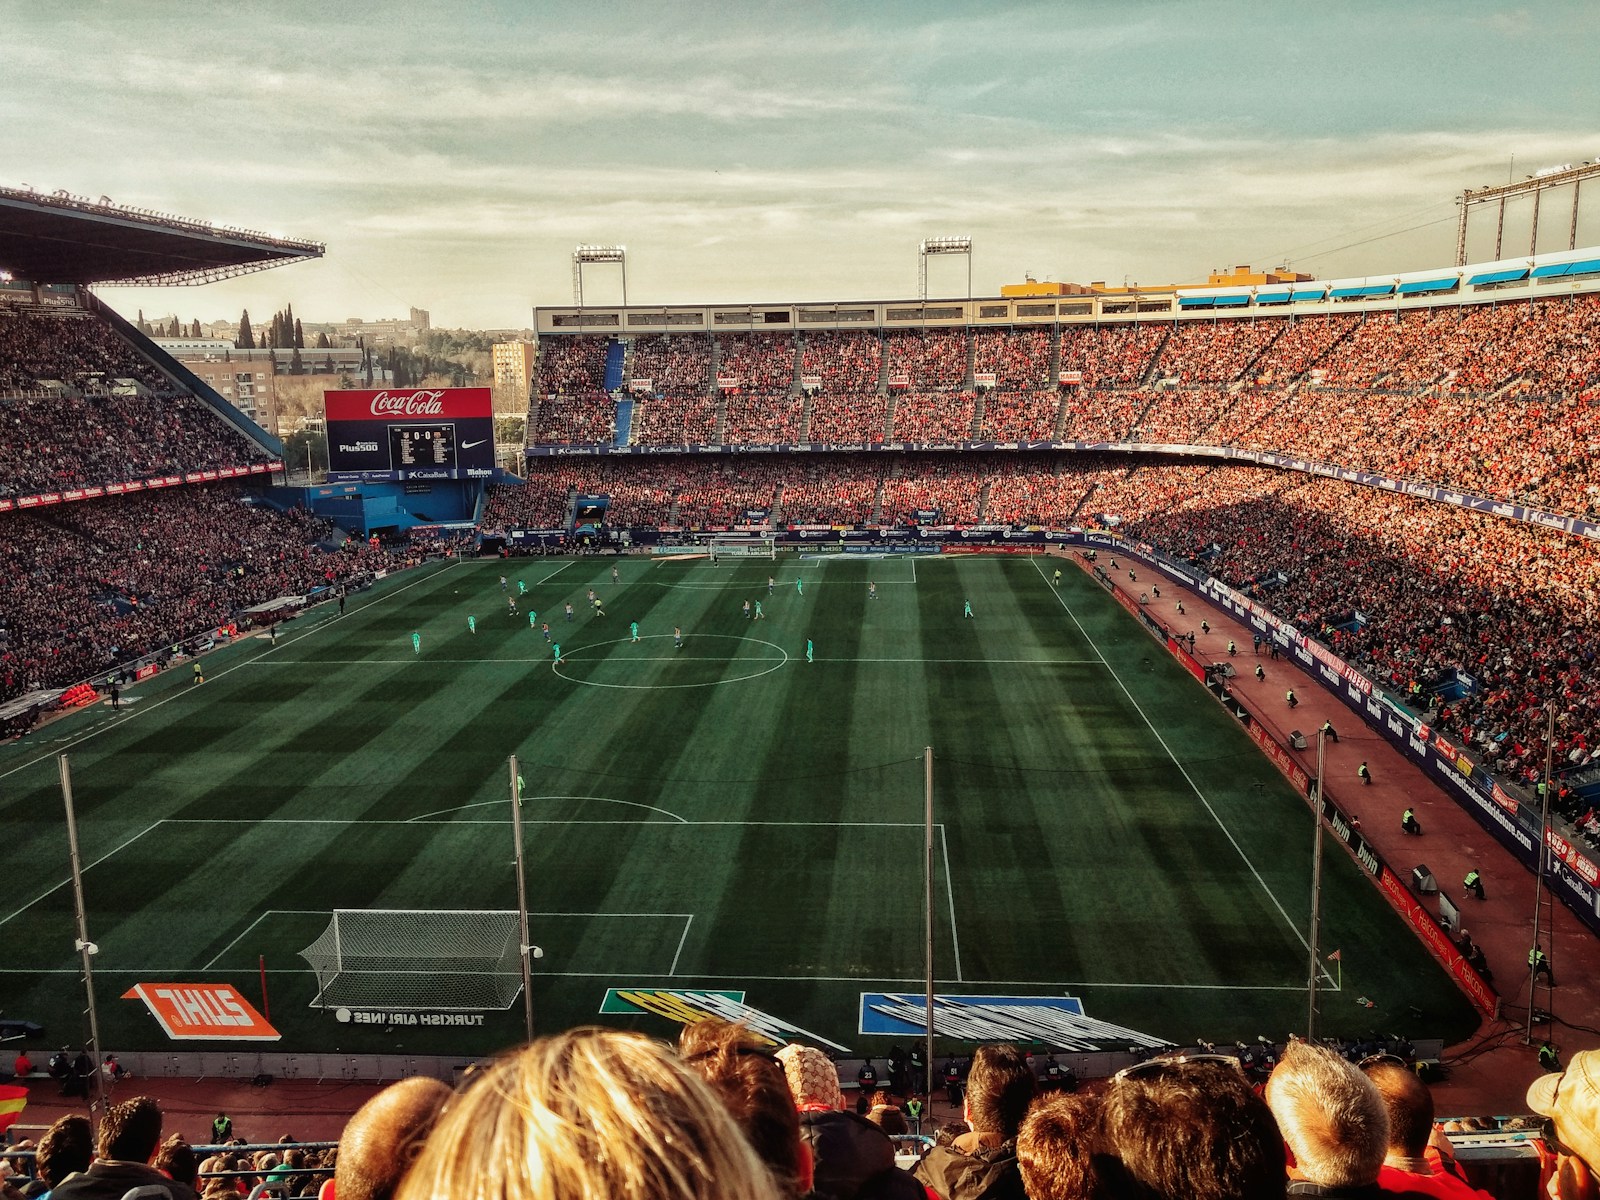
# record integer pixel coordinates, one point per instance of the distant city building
(513, 366)
(383, 331)
(247, 379)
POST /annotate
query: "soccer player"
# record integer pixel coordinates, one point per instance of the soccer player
(533, 619)
(633, 628)
(522, 588)
(1055, 580)
(615, 578)
(966, 606)
(677, 637)
(599, 610)
(558, 654)
(199, 674)
(800, 584)
(472, 624)
(808, 649)
(747, 610)
(545, 629)
(502, 583)
(569, 610)
(511, 605)
(520, 786)
(872, 590)
(770, 582)
(760, 616)
(416, 643)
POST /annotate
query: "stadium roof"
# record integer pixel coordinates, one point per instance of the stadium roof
(61, 238)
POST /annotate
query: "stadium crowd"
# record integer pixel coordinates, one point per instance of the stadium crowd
(607, 1113)
(88, 586)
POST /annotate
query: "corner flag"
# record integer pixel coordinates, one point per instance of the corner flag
(1334, 957)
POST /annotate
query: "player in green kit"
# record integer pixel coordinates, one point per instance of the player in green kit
(633, 628)
(472, 624)
(800, 585)
(967, 608)
(558, 654)
(522, 588)
(760, 616)
(520, 786)
(533, 620)
(416, 643)
(808, 649)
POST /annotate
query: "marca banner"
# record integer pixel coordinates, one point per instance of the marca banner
(202, 1011)
(410, 433)
(1057, 1020)
(688, 1006)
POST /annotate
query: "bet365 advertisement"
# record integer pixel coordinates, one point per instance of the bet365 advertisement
(409, 433)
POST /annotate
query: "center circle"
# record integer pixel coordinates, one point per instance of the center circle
(650, 687)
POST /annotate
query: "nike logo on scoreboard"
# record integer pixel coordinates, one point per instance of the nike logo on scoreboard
(470, 445)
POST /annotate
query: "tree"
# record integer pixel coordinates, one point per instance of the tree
(297, 446)
(296, 367)
(322, 341)
(194, 328)
(172, 328)
(299, 335)
(246, 339)
(140, 325)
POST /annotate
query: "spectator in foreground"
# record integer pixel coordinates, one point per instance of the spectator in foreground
(130, 1132)
(983, 1162)
(1191, 1130)
(384, 1137)
(590, 1112)
(1572, 1102)
(175, 1158)
(66, 1148)
(743, 1070)
(1057, 1150)
(850, 1155)
(1413, 1163)
(1333, 1122)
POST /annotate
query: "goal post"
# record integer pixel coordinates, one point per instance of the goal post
(432, 960)
(762, 546)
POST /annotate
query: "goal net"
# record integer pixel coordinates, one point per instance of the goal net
(417, 959)
(744, 547)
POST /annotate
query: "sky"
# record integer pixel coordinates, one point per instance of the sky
(451, 155)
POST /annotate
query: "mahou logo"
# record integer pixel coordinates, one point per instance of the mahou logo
(408, 404)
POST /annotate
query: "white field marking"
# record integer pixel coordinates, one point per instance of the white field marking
(325, 623)
(86, 869)
(913, 568)
(950, 893)
(305, 912)
(1046, 985)
(526, 821)
(556, 572)
(1226, 832)
(667, 687)
(678, 953)
(487, 803)
(317, 662)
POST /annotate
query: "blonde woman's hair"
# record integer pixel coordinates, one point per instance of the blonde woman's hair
(591, 1114)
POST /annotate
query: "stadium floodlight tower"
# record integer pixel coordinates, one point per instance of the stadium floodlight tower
(597, 255)
(942, 245)
(1534, 185)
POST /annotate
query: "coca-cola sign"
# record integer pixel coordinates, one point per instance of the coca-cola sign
(420, 403)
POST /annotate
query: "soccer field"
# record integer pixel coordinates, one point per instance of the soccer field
(725, 815)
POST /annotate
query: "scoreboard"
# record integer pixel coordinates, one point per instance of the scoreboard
(409, 433)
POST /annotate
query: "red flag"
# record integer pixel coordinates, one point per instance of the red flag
(1334, 957)
(12, 1101)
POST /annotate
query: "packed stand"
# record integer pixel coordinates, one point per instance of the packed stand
(1020, 416)
(831, 489)
(1112, 356)
(589, 418)
(1217, 351)
(86, 433)
(847, 362)
(1019, 359)
(950, 485)
(675, 419)
(757, 361)
(85, 587)
(848, 417)
(763, 418)
(680, 407)
(931, 359)
(570, 365)
(934, 416)
(1299, 347)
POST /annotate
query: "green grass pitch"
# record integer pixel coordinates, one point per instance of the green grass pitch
(722, 815)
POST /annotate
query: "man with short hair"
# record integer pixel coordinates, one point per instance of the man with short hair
(1412, 1163)
(379, 1143)
(1190, 1130)
(1332, 1120)
(1057, 1150)
(982, 1164)
(1572, 1102)
(130, 1133)
(66, 1148)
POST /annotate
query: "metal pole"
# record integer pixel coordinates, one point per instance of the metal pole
(1544, 853)
(927, 877)
(524, 947)
(85, 948)
(1316, 894)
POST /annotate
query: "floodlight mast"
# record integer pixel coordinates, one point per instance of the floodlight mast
(1534, 185)
(942, 245)
(595, 255)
